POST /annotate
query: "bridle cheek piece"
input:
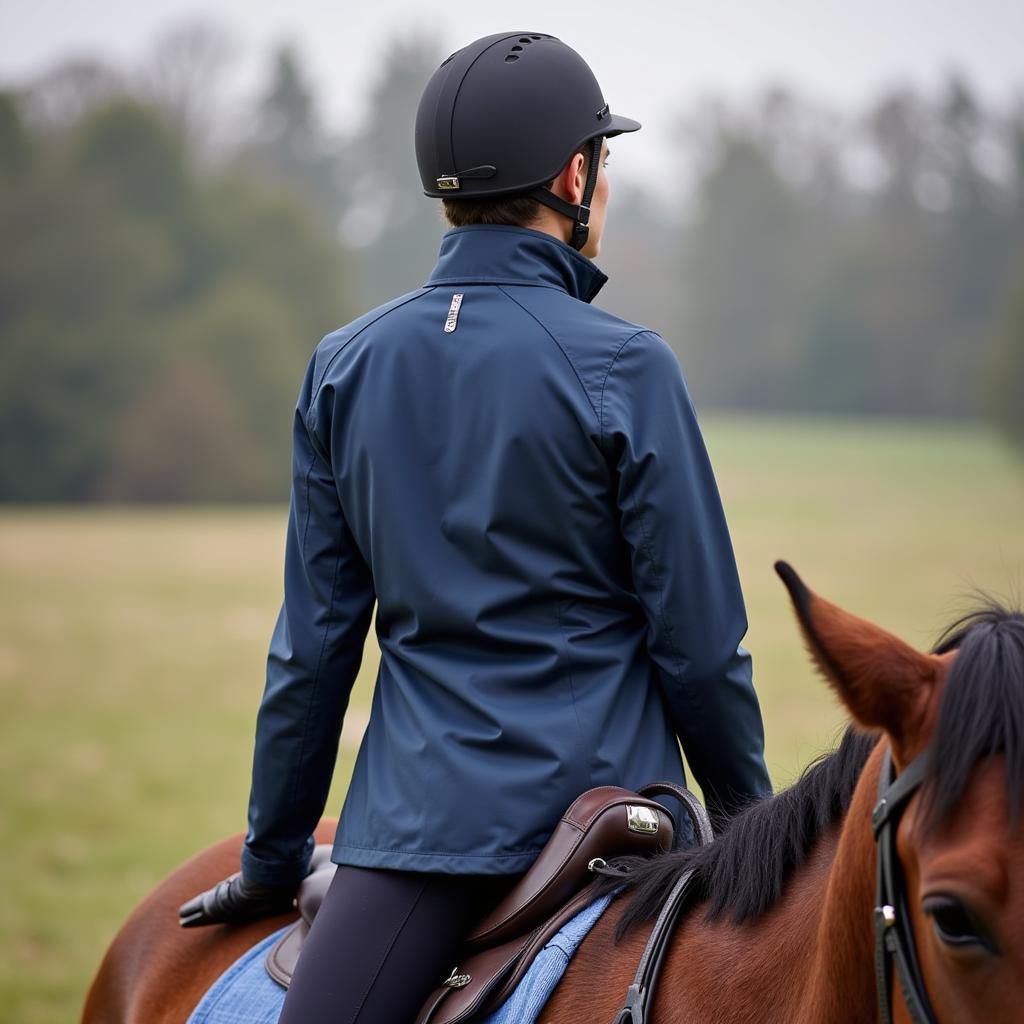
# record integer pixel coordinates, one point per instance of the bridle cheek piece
(894, 937)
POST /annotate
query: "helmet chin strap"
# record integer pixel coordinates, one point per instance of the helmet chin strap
(579, 215)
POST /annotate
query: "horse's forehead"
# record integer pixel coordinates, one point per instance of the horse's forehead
(978, 841)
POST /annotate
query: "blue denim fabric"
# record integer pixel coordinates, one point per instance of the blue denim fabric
(244, 993)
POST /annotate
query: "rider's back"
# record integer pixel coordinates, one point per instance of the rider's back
(476, 471)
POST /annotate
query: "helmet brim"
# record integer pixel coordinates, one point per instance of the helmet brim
(620, 125)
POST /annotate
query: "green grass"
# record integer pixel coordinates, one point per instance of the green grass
(132, 646)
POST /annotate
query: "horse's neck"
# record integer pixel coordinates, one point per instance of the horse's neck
(808, 960)
(841, 986)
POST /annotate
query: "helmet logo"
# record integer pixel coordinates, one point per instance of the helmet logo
(453, 314)
(448, 182)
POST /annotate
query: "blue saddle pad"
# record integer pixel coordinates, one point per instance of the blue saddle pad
(530, 995)
(246, 994)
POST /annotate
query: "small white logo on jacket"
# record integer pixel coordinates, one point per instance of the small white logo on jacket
(453, 313)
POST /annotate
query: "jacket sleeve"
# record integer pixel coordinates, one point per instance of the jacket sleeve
(315, 652)
(684, 570)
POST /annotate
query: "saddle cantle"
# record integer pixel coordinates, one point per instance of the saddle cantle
(602, 823)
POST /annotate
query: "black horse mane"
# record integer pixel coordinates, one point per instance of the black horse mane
(743, 872)
(982, 710)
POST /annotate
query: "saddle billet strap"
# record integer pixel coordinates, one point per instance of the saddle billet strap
(640, 996)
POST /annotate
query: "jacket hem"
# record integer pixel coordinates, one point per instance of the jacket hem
(440, 863)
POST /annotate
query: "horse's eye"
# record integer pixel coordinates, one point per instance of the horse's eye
(954, 924)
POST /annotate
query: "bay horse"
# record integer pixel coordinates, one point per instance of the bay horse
(780, 925)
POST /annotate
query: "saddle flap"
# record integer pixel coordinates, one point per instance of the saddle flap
(486, 979)
(284, 954)
(463, 994)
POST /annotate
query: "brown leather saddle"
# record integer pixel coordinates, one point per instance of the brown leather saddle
(602, 823)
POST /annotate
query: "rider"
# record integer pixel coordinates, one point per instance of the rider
(517, 479)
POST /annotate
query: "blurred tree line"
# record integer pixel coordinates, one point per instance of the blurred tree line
(167, 265)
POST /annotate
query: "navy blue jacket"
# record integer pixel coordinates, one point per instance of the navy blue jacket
(527, 498)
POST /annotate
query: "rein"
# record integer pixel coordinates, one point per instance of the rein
(640, 996)
(894, 938)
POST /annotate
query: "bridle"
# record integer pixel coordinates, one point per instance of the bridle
(894, 937)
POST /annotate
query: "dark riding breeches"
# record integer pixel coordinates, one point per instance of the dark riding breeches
(382, 941)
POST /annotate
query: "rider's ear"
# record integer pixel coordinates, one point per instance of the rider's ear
(570, 182)
(884, 682)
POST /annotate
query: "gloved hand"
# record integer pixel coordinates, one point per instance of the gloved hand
(236, 901)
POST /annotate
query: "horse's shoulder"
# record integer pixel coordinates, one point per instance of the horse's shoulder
(155, 971)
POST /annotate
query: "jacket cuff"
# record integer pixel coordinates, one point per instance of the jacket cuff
(276, 872)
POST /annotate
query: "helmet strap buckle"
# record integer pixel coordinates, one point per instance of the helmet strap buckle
(580, 234)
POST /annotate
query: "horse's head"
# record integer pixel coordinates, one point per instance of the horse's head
(960, 840)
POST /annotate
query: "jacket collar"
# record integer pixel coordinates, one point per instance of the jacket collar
(499, 254)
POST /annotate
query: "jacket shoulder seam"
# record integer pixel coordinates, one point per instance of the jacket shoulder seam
(607, 374)
(558, 344)
(341, 348)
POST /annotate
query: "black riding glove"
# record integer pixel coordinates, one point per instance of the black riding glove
(236, 901)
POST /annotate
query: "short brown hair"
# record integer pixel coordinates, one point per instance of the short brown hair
(518, 210)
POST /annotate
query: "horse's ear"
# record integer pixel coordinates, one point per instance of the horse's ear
(884, 682)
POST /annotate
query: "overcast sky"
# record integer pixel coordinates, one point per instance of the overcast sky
(649, 57)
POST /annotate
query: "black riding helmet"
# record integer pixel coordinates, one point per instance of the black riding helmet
(505, 114)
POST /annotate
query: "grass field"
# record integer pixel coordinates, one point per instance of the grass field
(132, 646)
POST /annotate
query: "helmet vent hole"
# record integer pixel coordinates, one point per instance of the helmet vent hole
(517, 49)
(524, 39)
(535, 37)
(511, 57)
